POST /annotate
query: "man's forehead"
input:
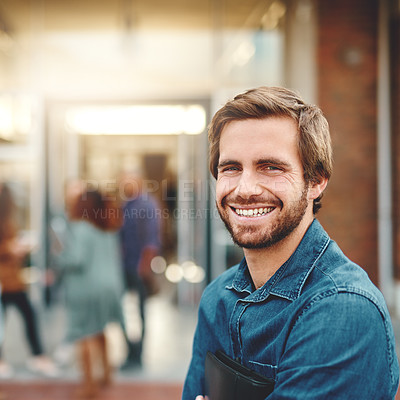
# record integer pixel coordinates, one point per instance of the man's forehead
(257, 133)
(267, 141)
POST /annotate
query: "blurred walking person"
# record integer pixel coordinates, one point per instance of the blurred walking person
(13, 288)
(140, 240)
(90, 266)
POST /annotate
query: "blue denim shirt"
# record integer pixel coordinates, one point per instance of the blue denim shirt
(318, 327)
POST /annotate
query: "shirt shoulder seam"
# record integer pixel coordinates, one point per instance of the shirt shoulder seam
(361, 293)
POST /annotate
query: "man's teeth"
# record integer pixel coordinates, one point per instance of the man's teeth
(253, 212)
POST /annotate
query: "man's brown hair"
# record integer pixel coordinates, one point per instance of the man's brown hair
(314, 141)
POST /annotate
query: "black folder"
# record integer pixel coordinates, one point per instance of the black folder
(227, 379)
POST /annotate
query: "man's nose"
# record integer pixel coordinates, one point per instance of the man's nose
(248, 185)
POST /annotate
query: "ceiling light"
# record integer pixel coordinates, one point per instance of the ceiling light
(137, 120)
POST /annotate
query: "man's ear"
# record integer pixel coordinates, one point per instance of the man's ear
(316, 188)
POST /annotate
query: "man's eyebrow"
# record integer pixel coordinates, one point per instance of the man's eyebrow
(272, 161)
(261, 161)
(225, 163)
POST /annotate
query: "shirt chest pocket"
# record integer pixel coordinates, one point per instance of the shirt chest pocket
(267, 370)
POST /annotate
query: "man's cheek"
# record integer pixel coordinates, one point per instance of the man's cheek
(223, 187)
(280, 186)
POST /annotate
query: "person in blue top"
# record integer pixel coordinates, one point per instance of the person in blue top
(140, 241)
(296, 309)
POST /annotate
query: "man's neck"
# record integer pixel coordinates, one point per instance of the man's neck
(263, 263)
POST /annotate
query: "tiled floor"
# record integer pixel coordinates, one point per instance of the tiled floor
(67, 391)
(166, 356)
(166, 352)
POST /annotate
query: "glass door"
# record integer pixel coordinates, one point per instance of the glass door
(166, 143)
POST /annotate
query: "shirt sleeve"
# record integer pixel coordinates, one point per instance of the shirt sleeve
(340, 347)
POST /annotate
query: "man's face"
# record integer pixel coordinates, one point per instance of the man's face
(261, 194)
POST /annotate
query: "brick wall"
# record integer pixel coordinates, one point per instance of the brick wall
(347, 90)
(395, 86)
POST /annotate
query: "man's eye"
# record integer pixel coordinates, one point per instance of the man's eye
(230, 169)
(272, 168)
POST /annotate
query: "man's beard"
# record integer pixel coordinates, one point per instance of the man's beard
(257, 237)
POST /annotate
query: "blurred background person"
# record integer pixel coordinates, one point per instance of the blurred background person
(90, 265)
(13, 253)
(140, 240)
(58, 231)
(59, 222)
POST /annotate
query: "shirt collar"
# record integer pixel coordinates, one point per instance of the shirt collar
(288, 280)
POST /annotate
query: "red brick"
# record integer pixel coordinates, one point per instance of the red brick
(347, 84)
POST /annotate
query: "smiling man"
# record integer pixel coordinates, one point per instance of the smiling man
(295, 310)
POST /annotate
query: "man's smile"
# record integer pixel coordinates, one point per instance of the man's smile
(252, 212)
